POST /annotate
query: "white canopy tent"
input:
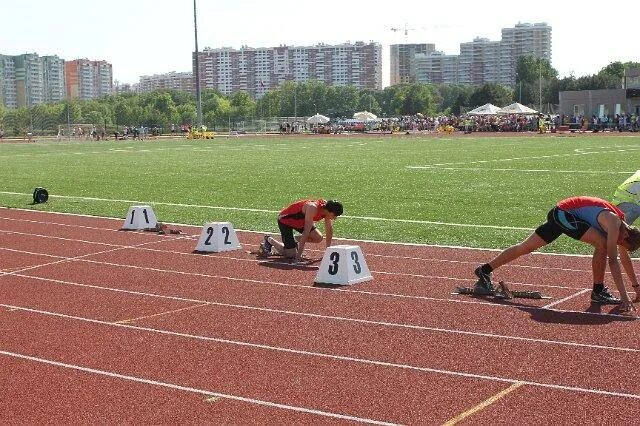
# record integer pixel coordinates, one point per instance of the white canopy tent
(318, 119)
(365, 116)
(486, 109)
(517, 108)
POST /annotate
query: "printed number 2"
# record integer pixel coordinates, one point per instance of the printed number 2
(225, 231)
(207, 242)
(356, 264)
(333, 267)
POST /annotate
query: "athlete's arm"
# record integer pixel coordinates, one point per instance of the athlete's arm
(611, 225)
(328, 230)
(309, 211)
(627, 265)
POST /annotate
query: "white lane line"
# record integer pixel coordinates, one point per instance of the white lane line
(314, 288)
(386, 243)
(329, 356)
(77, 258)
(333, 317)
(557, 302)
(242, 209)
(222, 256)
(207, 393)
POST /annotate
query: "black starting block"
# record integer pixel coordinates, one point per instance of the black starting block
(500, 292)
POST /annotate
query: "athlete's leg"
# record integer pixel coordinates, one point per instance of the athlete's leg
(599, 259)
(532, 243)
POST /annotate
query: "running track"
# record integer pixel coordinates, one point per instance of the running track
(98, 324)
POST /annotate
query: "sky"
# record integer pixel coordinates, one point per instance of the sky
(145, 37)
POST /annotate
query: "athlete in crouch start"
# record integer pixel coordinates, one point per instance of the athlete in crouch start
(302, 216)
(593, 221)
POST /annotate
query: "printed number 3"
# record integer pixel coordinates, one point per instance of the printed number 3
(356, 265)
(333, 267)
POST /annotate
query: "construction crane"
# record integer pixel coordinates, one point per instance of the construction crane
(405, 30)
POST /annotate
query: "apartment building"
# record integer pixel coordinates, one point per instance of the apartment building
(480, 61)
(29, 77)
(87, 79)
(170, 81)
(437, 68)
(523, 40)
(404, 59)
(257, 70)
(8, 89)
(54, 79)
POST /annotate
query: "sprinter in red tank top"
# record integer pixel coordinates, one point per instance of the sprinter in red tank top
(301, 216)
(593, 221)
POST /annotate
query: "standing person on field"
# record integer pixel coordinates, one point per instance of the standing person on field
(301, 216)
(593, 221)
(627, 198)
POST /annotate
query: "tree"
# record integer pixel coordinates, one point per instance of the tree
(491, 93)
(242, 105)
(419, 97)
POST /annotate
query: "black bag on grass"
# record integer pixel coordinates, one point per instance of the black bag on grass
(40, 195)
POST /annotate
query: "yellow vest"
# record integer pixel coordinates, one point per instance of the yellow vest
(624, 192)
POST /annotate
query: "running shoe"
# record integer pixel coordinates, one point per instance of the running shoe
(267, 244)
(484, 281)
(604, 297)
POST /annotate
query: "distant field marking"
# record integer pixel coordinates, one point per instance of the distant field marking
(333, 357)
(201, 303)
(209, 394)
(476, 169)
(243, 209)
(500, 160)
(484, 404)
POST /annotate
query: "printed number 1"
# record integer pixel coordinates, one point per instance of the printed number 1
(146, 217)
(333, 267)
(133, 213)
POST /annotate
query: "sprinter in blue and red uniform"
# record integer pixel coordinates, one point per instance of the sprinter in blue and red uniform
(301, 216)
(590, 220)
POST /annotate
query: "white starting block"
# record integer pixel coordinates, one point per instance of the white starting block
(343, 265)
(140, 217)
(217, 237)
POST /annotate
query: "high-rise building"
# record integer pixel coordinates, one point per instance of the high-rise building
(87, 79)
(53, 75)
(29, 79)
(480, 61)
(8, 89)
(523, 40)
(437, 68)
(169, 81)
(403, 61)
(256, 70)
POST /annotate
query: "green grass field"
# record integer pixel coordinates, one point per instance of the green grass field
(476, 191)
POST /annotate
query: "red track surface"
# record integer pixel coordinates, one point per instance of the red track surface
(98, 324)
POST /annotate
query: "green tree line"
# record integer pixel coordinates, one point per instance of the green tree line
(537, 83)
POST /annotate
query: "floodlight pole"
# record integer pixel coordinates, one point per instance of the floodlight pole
(197, 68)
